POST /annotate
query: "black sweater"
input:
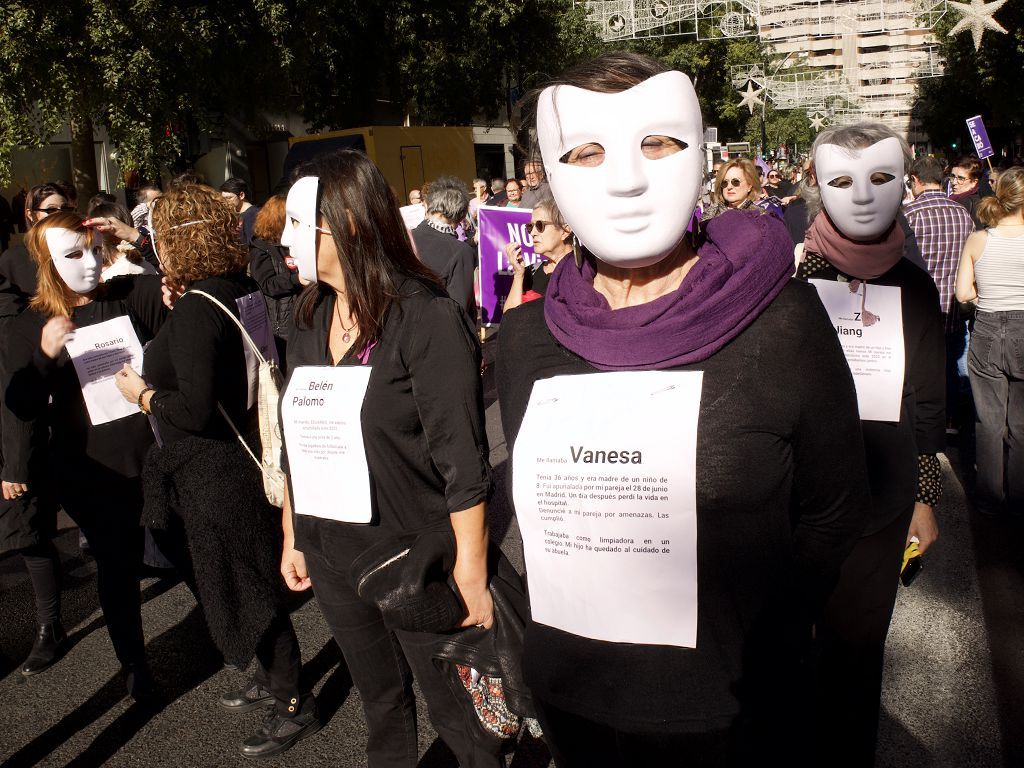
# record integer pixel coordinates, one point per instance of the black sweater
(451, 260)
(197, 361)
(780, 501)
(892, 448)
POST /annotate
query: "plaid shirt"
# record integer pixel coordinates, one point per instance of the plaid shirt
(941, 227)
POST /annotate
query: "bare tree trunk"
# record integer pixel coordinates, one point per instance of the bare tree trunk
(83, 158)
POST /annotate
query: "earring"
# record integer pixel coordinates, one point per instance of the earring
(577, 252)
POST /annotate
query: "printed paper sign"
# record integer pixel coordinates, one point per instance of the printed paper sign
(324, 436)
(412, 215)
(608, 507)
(98, 352)
(252, 311)
(869, 322)
(498, 227)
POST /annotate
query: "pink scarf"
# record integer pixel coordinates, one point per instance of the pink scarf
(864, 259)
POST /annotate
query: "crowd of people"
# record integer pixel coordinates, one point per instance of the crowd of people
(791, 492)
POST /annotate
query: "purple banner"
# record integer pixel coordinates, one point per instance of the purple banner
(498, 227)
(980, 137)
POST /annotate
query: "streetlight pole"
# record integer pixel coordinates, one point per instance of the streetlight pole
(764, 106)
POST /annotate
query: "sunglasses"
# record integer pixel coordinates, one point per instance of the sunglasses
(732, 182)
(54, 209)
(773, 175)
(538, 225)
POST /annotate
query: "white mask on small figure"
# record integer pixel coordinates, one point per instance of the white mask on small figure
(861, 189)
(300, 227)
(624, 168)
(77, 263)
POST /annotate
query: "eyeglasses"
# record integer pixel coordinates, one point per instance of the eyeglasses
(960, 178)
(538, 225)
(54, 209)
(732, 182)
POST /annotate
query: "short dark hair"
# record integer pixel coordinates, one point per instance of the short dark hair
(927, 170)
(235, 186)
(353, 193)
(100, 198)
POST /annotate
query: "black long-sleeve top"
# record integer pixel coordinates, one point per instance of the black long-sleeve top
(781, 498)
(893, 448)
(280, 285)
(422, 419)
(40, 391)
(451, 260)
(197, 361)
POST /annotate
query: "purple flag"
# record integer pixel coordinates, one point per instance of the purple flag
(497, 227)
(980, 137)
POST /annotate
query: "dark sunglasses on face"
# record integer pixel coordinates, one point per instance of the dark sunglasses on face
(54, 209)
(538, 225)
(732, 182)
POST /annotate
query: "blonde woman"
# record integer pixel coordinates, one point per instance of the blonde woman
(991, 273)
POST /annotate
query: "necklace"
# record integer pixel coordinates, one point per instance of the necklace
(346, 337)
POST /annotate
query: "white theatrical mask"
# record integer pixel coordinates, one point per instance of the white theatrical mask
(861, 189)
(77, 263)
(614, 171)
(299, 235)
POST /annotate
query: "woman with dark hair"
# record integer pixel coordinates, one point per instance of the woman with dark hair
(375, 314)
(204, 497)
(991, 273)
(94, 461)
(672, 625)
(854, 255)
(27, 521)
(120, 256)
(269, 266)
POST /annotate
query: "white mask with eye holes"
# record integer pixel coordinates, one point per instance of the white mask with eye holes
(77, 262)
(861, 189)
(624, 168)
(300, 227)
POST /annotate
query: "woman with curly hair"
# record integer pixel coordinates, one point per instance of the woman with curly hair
(204, 497)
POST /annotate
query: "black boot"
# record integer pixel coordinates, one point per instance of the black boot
(279, 732)
(50, 644)
(139, 682)
(253, 696)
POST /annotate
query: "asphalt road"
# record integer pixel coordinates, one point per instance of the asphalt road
(954, 687)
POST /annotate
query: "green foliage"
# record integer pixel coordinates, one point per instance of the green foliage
(976, 82)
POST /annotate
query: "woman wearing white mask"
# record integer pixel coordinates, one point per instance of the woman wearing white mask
(376, 320)
(683, 504)
(878, 300)
(95, 462)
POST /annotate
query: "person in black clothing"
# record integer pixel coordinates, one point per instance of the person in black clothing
(236, 192)
(94, 469)
(438, 245)
(28, 520)
(269, 267)
(552, 241)
(779, 486)
(425, 446)
(204, 498)
(855, 238)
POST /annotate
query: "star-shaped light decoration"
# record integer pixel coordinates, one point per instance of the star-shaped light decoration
(977, 17)
(750, 94)
(817, 122)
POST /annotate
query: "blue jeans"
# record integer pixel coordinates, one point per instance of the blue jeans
(957, 383)
(996, 365)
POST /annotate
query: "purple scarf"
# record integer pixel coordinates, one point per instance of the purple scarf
(743, 266)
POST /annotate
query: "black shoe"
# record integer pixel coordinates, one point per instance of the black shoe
(246, 700)
(279, 733)
(50, 644)
(139, 681)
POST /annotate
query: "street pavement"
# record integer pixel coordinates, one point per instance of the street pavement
(954, 683)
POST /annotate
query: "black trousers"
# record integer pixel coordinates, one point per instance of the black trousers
(278, 657)
(107, 512)
(851, 647)
(382, 663)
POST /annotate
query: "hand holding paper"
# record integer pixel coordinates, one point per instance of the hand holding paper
(129, 383)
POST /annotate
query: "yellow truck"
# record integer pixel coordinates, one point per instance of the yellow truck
(408, 157)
